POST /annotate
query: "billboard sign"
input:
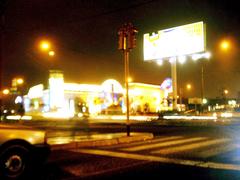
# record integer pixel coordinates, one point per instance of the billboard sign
(177, 41)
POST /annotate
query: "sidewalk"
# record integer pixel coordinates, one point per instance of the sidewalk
(93, 140)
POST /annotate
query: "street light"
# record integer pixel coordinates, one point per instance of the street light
(225, 91)
(46, 48)
(20, 81)
(51, 53)
(189, 86)
(181, 93)
(6, 91)
(225, 45)
(44, 45)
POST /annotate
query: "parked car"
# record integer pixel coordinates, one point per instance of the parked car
(22, 149)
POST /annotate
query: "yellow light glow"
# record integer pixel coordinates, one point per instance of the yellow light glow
(20, 81)
(225, 45)
(130, 79)
(189, 86)
(205, 101)
(6, 91)
(191, 117)
(44, 45)
(225, 91)
(51, 53)
(17, 117)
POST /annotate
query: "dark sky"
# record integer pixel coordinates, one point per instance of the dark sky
(84, 36)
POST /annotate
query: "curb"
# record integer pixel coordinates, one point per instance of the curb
(104, 142)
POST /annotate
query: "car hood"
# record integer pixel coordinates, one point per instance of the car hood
(14, 132)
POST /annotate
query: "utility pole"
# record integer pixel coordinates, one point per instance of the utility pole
(202, 86)
(1, 54)
(3, 5)
(126, 42)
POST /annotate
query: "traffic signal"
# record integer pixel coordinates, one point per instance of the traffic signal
(132, 41)
(127, 37)
(121, 39)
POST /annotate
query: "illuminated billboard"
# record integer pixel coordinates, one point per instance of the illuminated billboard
(177, 41)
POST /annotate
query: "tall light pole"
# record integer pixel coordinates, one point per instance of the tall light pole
(2, 33)
(126, 42)
(201, 57)
(46, 47)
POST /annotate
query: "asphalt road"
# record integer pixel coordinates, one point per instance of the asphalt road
(186, 150)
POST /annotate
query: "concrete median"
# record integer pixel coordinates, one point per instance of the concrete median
(102, 140)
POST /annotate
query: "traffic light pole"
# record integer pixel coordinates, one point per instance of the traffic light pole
(126, 64)
(127, 41)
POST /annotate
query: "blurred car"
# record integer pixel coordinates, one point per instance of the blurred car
(7, 112)
(21, 150)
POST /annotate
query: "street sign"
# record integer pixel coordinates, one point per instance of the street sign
(195, 101)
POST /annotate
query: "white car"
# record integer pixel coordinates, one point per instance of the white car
(21, 150)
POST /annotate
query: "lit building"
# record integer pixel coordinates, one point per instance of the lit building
(72, 99)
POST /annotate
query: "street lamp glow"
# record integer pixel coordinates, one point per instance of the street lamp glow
(6, 91)
(44, 45)
(189, 86)
(51, 53)
(205, 101)
(20, 81)
(225, 91)
(225, 45)
(130, 79)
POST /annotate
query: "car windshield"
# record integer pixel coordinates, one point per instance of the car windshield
(94, 70)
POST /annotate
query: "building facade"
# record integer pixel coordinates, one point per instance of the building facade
(72, 99)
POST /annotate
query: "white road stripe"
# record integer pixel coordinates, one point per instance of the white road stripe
(139, 143)
(217, 150)
(172, 150)
(203, 164)
(163, 144)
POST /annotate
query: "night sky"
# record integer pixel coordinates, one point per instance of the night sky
(84, 37)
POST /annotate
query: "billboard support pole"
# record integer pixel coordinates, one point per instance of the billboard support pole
(174, 81)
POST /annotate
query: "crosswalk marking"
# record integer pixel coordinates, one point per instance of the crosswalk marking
(164, 144)
(203, 164)
(150, 141)
(217, 150)
(187, 147)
